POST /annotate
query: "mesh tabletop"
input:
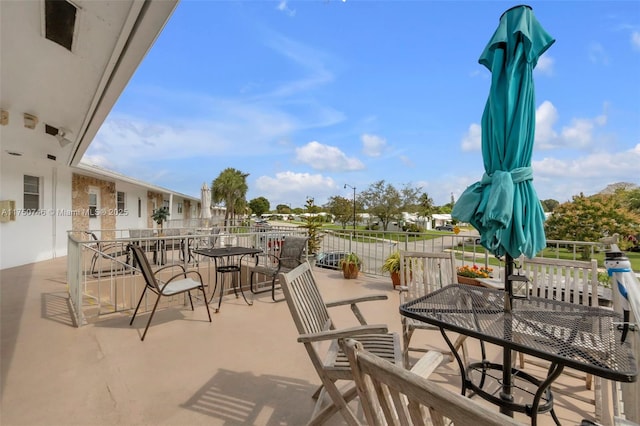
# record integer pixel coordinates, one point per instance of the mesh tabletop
(582, 337)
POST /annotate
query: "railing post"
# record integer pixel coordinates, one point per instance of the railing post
(74, 256)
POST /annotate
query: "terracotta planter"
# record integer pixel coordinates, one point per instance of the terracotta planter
(350, 271)
(468, 281)
(395, 278)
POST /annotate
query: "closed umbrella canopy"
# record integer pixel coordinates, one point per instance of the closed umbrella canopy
(205, 200)
(503, 206)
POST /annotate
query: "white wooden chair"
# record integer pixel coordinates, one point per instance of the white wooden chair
(391, 395)
(422, 273)
(571, 281)
(317, 331)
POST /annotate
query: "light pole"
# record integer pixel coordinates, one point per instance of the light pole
(354, 203)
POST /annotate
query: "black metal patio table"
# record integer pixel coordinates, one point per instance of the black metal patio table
(226, 255)
(568, 335)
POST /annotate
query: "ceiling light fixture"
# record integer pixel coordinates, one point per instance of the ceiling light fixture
(30, 121)
(61, 137)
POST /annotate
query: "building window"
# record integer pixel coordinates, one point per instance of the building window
(93, 204)
(179, 207)
(31, 193)
(120, 202)
(139, 207)
(165, 203)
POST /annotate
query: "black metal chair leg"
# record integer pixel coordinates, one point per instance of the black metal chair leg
(273, 291)
(206, 305)
(150, 317)
(139, 302)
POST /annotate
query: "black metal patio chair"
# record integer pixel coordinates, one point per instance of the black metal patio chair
(176, 284)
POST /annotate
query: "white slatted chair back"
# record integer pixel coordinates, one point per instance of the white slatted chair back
(391, 395)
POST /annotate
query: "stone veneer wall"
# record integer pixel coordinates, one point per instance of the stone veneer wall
(150, 197)
(186, 209)
(80, 204)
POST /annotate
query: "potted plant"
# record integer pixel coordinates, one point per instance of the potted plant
(160, 215)
(469, 274)
(392, 266)
(313, 225)
(350, 265)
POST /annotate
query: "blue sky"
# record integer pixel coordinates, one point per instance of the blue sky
(306, 96)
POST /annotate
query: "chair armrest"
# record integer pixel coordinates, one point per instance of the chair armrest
(343, 332)
(356, 300)
(269, 256)
(403, 293)
(254, 255)
(113, 250)
(174, 265)
(427, 364)
(354, 307)
(294, 259)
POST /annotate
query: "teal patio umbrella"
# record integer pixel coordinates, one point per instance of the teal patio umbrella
(503, 206)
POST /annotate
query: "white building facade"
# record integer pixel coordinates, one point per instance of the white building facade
(63, 65)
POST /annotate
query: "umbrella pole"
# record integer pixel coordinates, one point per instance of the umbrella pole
(506, 395)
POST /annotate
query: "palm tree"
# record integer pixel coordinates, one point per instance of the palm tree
(230, 187)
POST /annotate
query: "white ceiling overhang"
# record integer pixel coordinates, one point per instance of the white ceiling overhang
(74, 90)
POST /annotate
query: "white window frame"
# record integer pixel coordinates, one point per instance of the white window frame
(26, 193)
(93, 209)
(121, 205)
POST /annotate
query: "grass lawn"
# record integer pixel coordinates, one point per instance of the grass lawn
(551, 252)
(634, 258)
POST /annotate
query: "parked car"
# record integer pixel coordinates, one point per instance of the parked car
(444, 228)
(330, 259)
(262, 225)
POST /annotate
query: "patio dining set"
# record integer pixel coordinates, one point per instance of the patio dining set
(564, 334)
(559, 326)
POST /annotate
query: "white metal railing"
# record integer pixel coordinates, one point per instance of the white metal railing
(96, 267)
(627, 395)
(103, 280)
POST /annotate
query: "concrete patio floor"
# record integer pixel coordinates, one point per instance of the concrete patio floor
(244, 368)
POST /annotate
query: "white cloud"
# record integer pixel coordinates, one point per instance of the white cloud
(472, 141)
(555, 177)
(545, 65)
(407, 161)
(127, 139)
(296, 187)
(325, 157)
(312, 62)
(373, 145)
(598, 164)
(597, 54)
(580, 133)
(546, 117)
(635, 40)
(283, 7)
